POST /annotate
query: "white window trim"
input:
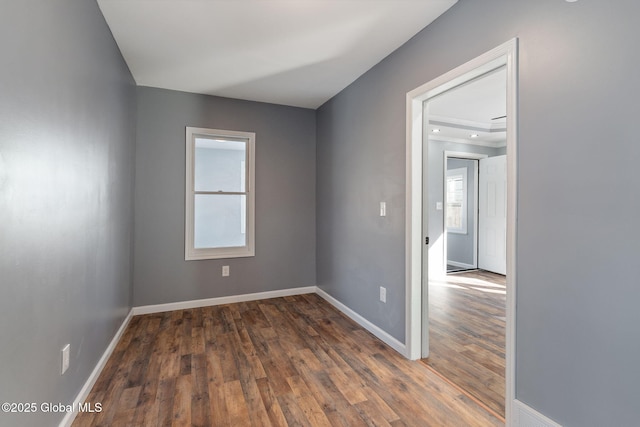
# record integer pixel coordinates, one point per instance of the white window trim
(454, 173)
(190, 252)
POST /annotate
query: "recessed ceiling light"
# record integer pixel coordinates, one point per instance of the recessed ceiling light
(474, 135)
(436, 131)
(571, 1)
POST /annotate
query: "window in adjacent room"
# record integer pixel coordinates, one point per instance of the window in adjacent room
(220, 194)
(456, 220)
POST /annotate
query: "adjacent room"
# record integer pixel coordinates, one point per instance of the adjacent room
(466, 139)
(319, 212)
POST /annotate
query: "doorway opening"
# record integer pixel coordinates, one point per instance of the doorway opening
(425, 264)
(460, 210)
(466, 203)
(460, 214)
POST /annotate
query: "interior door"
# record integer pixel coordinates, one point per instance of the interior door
(492, 215)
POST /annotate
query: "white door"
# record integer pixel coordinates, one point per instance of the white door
(492, 215)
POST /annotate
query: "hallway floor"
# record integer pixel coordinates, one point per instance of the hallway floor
(467, 334)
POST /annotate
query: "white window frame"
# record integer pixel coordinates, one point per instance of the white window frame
(453, 173)
(190, 252)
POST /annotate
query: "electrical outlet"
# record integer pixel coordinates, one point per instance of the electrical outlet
(383, 294)
(65, 358)
(225, 270)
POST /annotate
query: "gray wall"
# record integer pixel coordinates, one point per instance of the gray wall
(285, 198)
(66, 182)
(577, 319)
(460, 246)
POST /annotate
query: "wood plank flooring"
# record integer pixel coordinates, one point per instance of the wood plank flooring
(467, 334)
(293, 361)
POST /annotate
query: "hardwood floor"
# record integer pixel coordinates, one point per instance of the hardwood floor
(467, 334)
(285, 361)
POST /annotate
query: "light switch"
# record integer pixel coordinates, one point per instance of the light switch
(383, 209)
(65, 358)
(438, 206)
(383, 294)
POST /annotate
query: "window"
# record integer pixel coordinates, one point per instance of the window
(219, 221)
(456, 220)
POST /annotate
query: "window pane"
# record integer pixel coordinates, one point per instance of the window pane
(219, 221)
(454, 215)
(220, 165)
(455, 219)
(455, 189)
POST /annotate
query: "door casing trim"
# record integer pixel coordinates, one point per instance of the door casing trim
(415, 269)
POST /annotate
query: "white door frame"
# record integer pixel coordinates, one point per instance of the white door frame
(415, 268)
(467, 156)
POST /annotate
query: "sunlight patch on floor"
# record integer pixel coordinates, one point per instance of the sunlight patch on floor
(468, 283)
(491, 291)
(474, 282)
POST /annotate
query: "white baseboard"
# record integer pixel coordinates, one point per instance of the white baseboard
(183, 305)
(526, 416)
(88, 385)
(375, 330)
(460, 264)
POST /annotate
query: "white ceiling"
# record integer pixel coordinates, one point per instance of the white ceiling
(475, 108)
(291, 52)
